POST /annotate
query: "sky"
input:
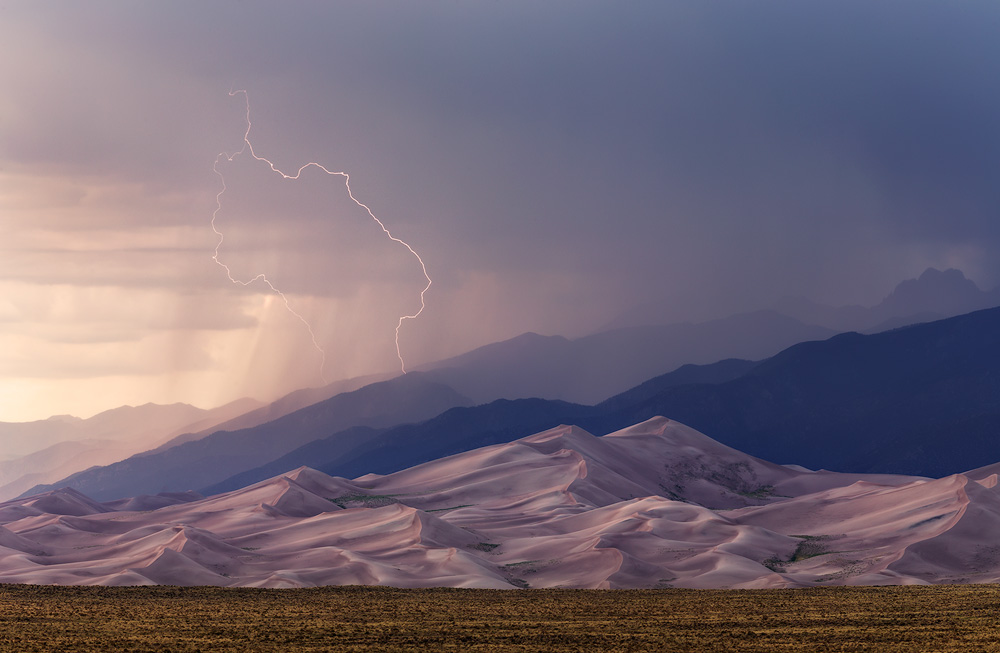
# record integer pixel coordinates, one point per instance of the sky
(552, 163)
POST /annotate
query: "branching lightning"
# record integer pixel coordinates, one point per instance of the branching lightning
(248, 147)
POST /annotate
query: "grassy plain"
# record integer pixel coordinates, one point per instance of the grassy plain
(45, 618)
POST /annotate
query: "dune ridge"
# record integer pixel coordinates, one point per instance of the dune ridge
(653, 505)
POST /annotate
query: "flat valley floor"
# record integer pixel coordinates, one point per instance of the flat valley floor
(926, 618)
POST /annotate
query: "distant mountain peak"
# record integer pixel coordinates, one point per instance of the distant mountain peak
(950, 276)
(64, 418)
(950, 273)
(934, 295)
(945, 292)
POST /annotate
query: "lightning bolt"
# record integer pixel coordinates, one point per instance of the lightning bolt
(248, 147)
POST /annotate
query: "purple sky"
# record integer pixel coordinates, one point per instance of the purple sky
(554, 163)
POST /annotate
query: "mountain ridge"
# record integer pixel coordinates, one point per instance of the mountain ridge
(932, 295)
(593, 368)
(194, 463)
(918, 400)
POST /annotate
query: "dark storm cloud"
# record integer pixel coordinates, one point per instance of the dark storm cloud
(721, 154)
(553, 163)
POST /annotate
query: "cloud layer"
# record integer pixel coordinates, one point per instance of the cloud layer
(554, 163)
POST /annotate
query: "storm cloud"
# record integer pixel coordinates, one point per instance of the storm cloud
(553, 163)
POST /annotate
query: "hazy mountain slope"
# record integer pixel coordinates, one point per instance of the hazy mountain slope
(220, 455)
(340, 445)
(919, 400)
(656, 504)
(947, 293)
(593, 368)
(55, 462)
(720, 372)
(103, 439)
(922, 400)
(932, 296)
(261, 414)
(214, 417)
(147, 423)
(142, 426)
(456, 430)
(838, 318)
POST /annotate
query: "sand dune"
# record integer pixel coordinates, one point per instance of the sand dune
(657, 504)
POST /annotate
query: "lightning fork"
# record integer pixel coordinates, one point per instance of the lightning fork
(248, 147)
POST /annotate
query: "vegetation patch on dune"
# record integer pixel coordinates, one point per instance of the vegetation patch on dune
(464, 505)
(485, 547)
(364, 500)
(810, 547)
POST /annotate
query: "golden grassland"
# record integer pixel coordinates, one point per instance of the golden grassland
(47, 618)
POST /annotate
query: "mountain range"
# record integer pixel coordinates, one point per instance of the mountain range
(48, 450)
(924, 400)
(921, 400)
(593, 368)
(785, 408)
(934, 295)
(197, 463)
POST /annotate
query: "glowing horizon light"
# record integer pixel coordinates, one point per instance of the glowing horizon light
(262, 277)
